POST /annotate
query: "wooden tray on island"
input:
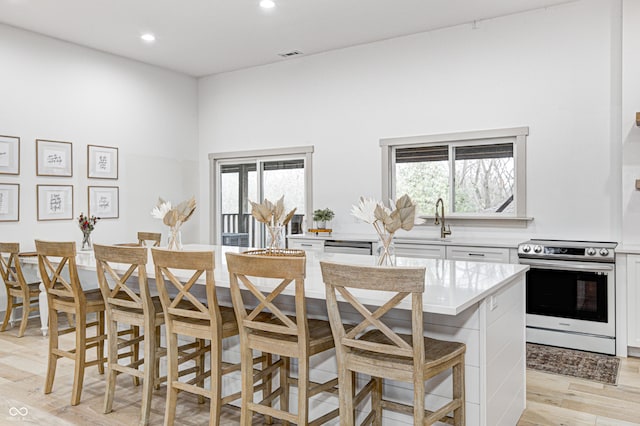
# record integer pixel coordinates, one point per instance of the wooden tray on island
(319, 231)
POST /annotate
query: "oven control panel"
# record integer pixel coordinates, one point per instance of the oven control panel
(569, 250)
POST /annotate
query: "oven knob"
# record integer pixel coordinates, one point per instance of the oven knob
(526, 249)
(591, 251)
(604, 252)
(537, 249)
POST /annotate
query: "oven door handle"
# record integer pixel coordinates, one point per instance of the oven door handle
(567, 266)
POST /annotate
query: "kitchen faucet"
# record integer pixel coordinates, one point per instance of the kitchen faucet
(443, 232)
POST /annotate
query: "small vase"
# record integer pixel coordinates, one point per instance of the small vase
(322, 224)
(86, 240)
(275, 237)
(386, 251)
(175, 238)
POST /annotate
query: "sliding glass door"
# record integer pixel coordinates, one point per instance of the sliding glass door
(237, 181)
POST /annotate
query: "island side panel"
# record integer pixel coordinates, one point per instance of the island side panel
(503, 354)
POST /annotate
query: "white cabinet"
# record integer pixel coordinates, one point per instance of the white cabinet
(478, 254)
(415, 248)
(633, 300)
(423, 251)
(307, 244)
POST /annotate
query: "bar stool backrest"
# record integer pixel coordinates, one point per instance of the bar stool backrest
(56, 281)
(10, 268)
(153, 237)
(118, 288)
(393, 284)
(176, 276)
(249, 271)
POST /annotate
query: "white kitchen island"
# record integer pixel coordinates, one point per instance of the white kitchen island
(479, 304)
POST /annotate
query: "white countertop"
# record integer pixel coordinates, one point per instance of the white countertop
(450, 286)
(628, 249)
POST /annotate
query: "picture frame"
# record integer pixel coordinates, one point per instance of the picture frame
(102, 162)
(9, 202)
(104, 202)
(54, 158)
(54, 202)
(9, 155)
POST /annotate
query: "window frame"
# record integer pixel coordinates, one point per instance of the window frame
(516, 135)
(216, 160)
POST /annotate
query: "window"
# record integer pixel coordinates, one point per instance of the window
(477, 174)
(240, 177)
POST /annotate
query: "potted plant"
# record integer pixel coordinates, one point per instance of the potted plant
(322, 216)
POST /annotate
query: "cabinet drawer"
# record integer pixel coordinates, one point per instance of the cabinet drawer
(313, 245)
(422, 251)
(478, 254)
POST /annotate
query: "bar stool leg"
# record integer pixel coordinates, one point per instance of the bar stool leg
(172, 374)
(8, 313)
(346, 390)
(112, 357)
(100, 316)
(81, 355)
(26, 308)
(149, 372)
(284, 384)
(53, 344)
(458, 392)
(216, 384)
(246, 368)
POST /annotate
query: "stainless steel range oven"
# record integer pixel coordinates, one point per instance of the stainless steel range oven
(571, 294)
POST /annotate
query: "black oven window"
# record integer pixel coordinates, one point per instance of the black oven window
(567, 294)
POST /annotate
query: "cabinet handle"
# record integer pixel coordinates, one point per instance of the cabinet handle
(306, 245)
(476, 254)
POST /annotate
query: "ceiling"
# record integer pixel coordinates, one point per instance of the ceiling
(203, 37)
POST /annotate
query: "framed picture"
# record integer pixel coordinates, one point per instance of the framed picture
(104, 202)
(9, 155)
(102, 162)
(9, 202)
(54, 158)
(55, 202)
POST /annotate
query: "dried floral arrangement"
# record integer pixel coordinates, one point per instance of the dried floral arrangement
(174, 217)
(274, 216)
(86, 223)
(386, 221)
(271, 214)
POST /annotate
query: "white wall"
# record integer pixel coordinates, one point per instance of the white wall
(631, 132)
(55, 90)
(549, 69)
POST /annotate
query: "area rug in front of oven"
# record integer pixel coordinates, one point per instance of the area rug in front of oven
(569, 362)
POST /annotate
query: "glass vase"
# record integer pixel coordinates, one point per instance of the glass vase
(86, 240)
(175, 238)
(386, 251)
(275, 237)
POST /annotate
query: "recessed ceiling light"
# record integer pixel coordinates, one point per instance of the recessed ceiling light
(148, 37)
(267, 4)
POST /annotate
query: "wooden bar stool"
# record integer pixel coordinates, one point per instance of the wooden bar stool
(278, 334)
(373, 348)
(122, 277)
(67, 295)
(26, 294)
(186, 315)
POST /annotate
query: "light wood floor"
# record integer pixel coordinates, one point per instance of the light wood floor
(551, 399)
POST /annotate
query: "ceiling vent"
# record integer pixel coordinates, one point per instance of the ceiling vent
(290, 54)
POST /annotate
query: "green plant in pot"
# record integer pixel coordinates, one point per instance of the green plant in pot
(322, 216)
